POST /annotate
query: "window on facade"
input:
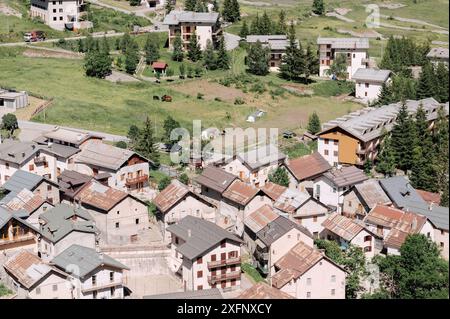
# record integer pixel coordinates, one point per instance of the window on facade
(315, 219)
(7, 165)
(442, 244)
(94, 280)
(94, 294)
(111, 276)
(308, 281)
(38, 290)
(308, 294)
(200, 287)
(55, 287)
(95, 171)
(54, 10)
(365, 93)
(326, 141)
(325, 152)
(137, 221)
(333, 278)
(54, 3)
(349, 203)
(61, 10)
(335, 153)
(316, 235)
(31, 167)
(334, 190)
(117, 225)
(113, 291)
(223, 256)
(335, 142)
(199, 274)
(367, 238)
(333, 292)
(199, 260)
(223, 244)
(367, 249)
(367, 85)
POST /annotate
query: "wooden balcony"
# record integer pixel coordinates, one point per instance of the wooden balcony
(39, 160)
(222, 277)
(135, 180)
(16, 239)
(224, 262)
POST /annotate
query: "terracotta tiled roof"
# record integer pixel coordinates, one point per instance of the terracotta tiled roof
(342, 226)
(308, 166)
(291, 200)
(260, 218)
(159, 65)
(100, 196)
(170, 195)
(263, 291)
(385, 216)
(215, 178)
(429, 197)
(273, 190)
(25, 200)
(240, 193)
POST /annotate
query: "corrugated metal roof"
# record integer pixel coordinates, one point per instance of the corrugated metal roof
(291, 200)
(400, 191)
(260, 218)
(100, 196)
(170, 195)
(308, 166)
(372, 193)
(215, 178)
(22, 180)
(277, 228)
(342, 226)
(240, 192)
(273, 190)
(437, 215)
(24, 200)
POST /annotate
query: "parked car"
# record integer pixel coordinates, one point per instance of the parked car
(34, 36)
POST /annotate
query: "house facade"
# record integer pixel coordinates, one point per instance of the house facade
(16, 233)
(277, 45)
(59, 15)
(368, 83)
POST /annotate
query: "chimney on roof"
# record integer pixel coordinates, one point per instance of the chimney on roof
(430, 206)
(33, 146)
(23, 154)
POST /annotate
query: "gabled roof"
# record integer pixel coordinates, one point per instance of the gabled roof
(308, 166)
(291, 200)
(159, 65)
(24, 200)
(371, 75)
(100, 196)
(177, 17)
(296, 262)
(213, 293)
(346, 176)
(345, 43)
(69, 136)
(261, 156)
(6, 216)
(199, 235)
(215, 178)
(277, 228)
(22, 180)
(372, 193)
(272, 190)
(437, 215)
(70, 182)
(14, 151)
(342, 226)
(429, 197)
(440, 53)
(263, 291)
(274, 42)
(260, 218)
(85, 259)
(170, 195)
(400, 191)
(240, 192)
(28, 269)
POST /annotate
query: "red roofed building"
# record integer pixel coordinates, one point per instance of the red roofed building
(429, 197)
(159, 67)
(303, 170)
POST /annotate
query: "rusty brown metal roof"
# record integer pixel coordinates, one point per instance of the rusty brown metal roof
(372, 193)
(240, 193)
(260, 218)
(215, 178)
(25, 200)
(342, 226)
(308, 166)
(263, 291)
(100, 196)
(170, 195)
(273, 190)
(429, 197)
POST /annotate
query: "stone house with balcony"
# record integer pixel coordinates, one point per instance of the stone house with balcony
(368, 83)
(93, 275)
(331, 186)
(120, 217)
(62, 226)
(206, 26)
(355, 138)
(355, 50)
(177, 201)
(346, 232)
(204, 255)
(304, 272)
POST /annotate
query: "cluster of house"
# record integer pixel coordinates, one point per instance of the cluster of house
(10, 101)
(232, 209)
(64, 197)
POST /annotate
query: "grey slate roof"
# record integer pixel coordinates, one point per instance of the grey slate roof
(275, 42)
(59, 223)
(372, 75)
(345, 176)
(215, 178)
(62, 150)
(204, 236)
(277, 228)
(176, 17)
(261, 156)
(14, 151)
(86, 259)
(345, 43)
(212, 293)
(438, 215)
(400, 191)
(22, 180)
(6, 216)
(368, 123)
(438, 53)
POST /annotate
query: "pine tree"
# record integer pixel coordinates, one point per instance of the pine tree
(265, 26)
(169, 6)
(314, 126)
(189, 5)
(311, 63)
(134, 3)
(258, 59)
(318, 7)
(223, 60)
(282, 28)
(442, 88)
(244, 30)
(427, 84)
(125, 42)
(145, 144)
(182, 71)
(339, 67)
(209, 56)
(279, 176)
(177, 54)
(444, 195)
(403, 139)
(80, 45)
(151, 51)
(254, 27)
(194, 51)
(385, 96)
(215, 6)
(200, 6)
(231, 11)
(386, 158)
(97, 64)
(441, 143)
(169, 125)
(293, 62)
(105, 45)
(131, 57)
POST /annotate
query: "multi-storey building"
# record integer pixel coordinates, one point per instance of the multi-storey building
(61, 14)
(206, 26)
(277, 45)
(204, 255)
(355, 49)
(369, 83)
(354, 138)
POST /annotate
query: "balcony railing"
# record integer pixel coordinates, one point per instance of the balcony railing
(135, 180)
(222, 277)
(16, 239)
(224, 262)
(102, 286)
(39, 160)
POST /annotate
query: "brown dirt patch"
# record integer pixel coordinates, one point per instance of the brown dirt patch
(210, 90)
(26, 113)
(47, 53)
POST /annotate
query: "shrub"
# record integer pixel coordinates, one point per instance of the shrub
(121, 144)
(238, 101)
(200, 96)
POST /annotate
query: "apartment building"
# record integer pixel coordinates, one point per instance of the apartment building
(61, 14)
(368, 83)
(355, 138)
(206, 26)
(355, 50)
(306, 273)
(277, 45)
(204, 255)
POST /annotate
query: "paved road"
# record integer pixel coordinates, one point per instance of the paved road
(31, 130)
